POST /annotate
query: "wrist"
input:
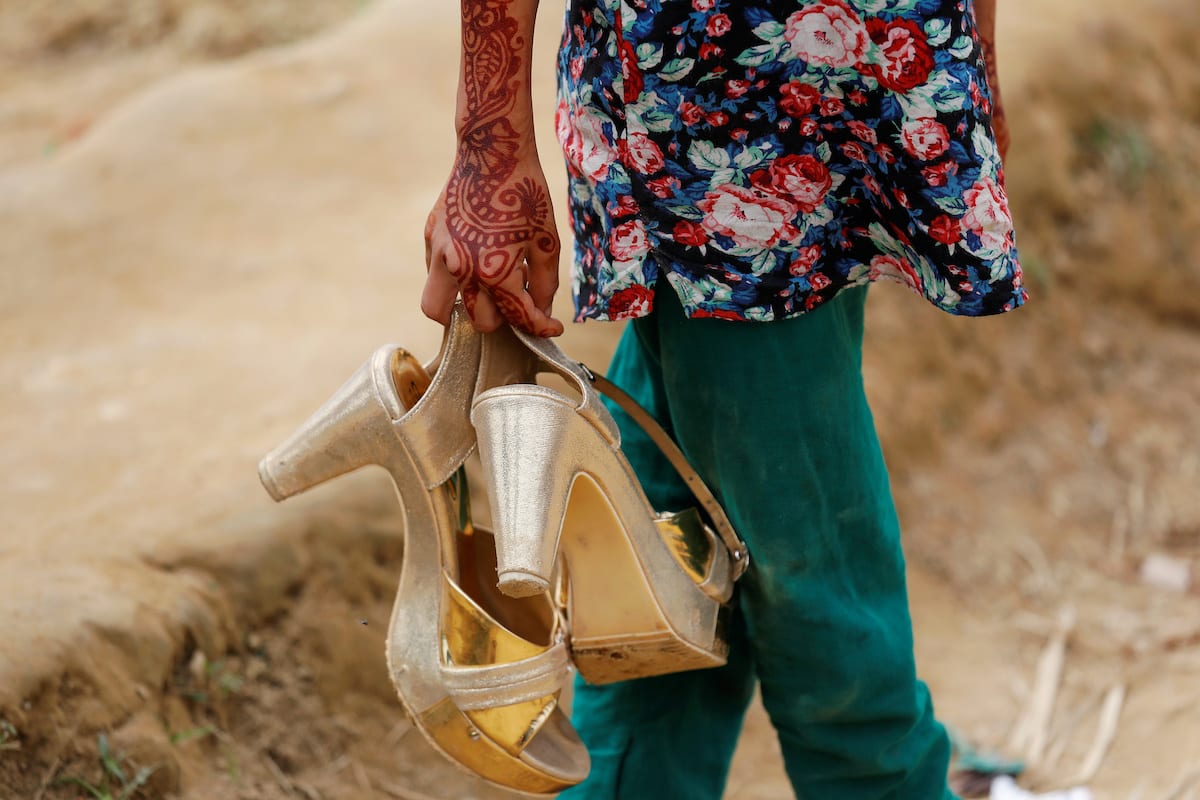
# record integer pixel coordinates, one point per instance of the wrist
(508, 132)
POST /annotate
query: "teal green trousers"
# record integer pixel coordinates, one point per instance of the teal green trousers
(774, 417)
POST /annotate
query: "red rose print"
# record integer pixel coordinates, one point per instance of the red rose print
(633, 301)
(689, 233)
(736, 88)
(690, 113)
(831, 107)
(946, 229)
(761, 179)
(568, 138)
(624, 207)
(803, 180)
(644, 154)
(827, 32)
(750, 217)
(663, 187)
(906, 57)
(988, 216)
(898, 268)
(862, 131)
(587, 147)
(939, 174)
(855, 151)
(765, 122)
(925, 138)
(718, 25)
(806, 259)
(629, 240)
(798, 98)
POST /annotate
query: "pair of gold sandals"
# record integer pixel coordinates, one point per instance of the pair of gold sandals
(579, 569)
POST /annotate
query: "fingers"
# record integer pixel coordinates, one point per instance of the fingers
(542, 257)
(485, 315)
(496, 294)
(480, 307)
(520, 312)
(437, 298)
(503, 276)
(430, 224)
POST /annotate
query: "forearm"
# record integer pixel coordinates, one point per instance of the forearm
(495, 106)
(985, 21)
(491, 237)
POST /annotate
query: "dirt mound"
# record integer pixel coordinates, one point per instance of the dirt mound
(204, 27)
(1106, 184)
(189, 275)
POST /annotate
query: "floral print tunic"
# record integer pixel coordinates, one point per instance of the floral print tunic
(766, 154)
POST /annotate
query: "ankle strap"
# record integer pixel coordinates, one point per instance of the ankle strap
(716, 514)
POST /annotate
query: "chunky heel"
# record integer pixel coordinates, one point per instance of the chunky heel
(519, 433)
(352, 429)
(479, 674)
(646, 592)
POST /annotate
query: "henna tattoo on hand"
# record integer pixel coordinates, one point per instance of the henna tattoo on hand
(488, 213)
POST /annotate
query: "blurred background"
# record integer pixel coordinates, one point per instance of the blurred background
(211, 213)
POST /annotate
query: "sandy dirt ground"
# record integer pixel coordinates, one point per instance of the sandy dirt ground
(210, 213)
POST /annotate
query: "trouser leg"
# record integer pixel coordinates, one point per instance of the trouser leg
(671, 736)
(774, 416)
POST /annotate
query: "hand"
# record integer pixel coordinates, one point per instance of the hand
(999, 119)
(985, 20)
(491, 238)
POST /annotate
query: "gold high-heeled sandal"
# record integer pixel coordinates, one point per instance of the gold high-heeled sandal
(479, 674)
(647, 592)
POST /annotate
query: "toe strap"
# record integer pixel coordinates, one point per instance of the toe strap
(476, 688)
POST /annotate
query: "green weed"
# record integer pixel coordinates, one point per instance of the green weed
(180, 737)
(10, 739)
(1123, 149)
(116, 783)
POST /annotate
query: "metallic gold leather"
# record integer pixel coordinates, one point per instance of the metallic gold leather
(684, 533)
(698, 551)
(456, 735)
(437, 432)
(368, 421)
(552, 359)
(739, 556)
(485, 665)
(535, 445)
(409, 377)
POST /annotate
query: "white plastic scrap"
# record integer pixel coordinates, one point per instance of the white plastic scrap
(1005, 788)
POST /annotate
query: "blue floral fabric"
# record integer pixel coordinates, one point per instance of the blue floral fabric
(766, 154)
